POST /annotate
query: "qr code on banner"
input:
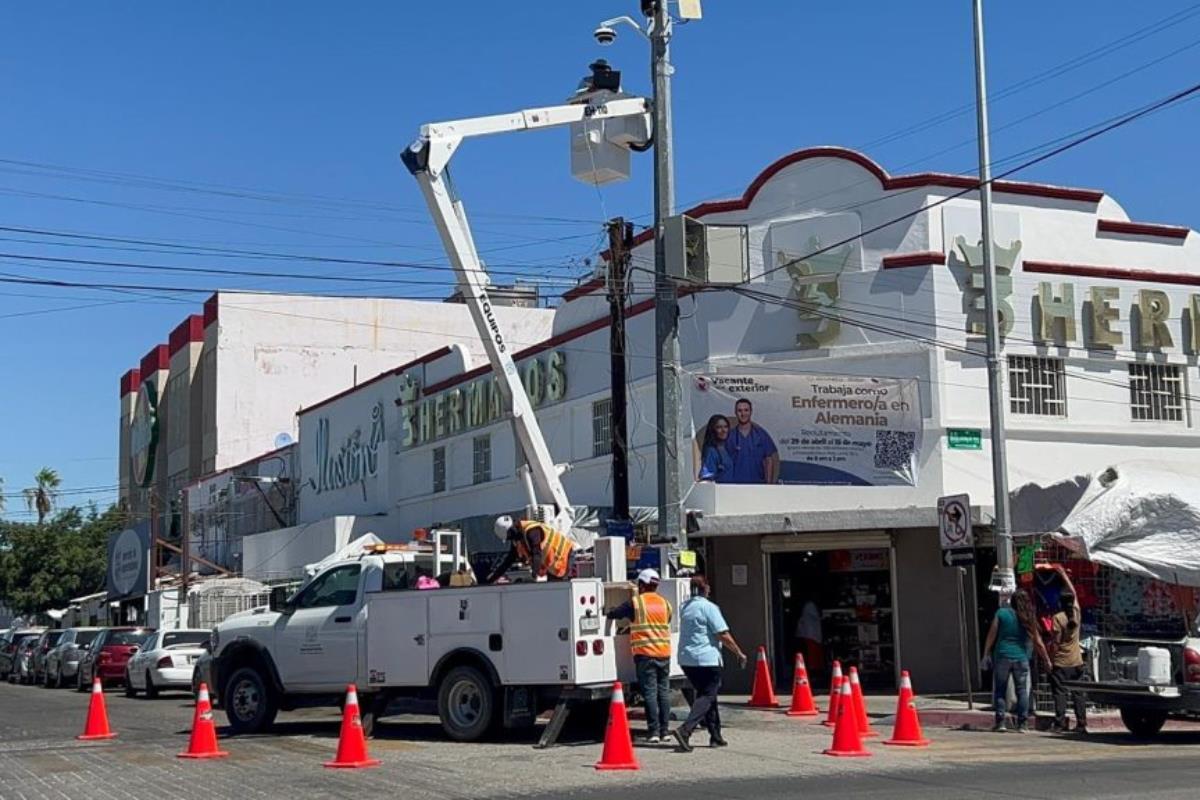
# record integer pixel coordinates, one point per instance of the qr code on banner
(894, 449)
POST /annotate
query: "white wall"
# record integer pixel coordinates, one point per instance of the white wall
(285, 552)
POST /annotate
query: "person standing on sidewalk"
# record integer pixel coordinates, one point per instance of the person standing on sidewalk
(650, 641)
(702, 632)
(1067, 664)
(1007, 652)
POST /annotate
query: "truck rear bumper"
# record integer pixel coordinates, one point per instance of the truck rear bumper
(1136, 695)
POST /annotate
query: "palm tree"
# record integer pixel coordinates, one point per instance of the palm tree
(42, 497)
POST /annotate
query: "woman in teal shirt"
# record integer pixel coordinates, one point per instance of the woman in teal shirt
(1010, 643)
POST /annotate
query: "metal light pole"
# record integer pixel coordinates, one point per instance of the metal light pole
(666, 302)
(1004, 581)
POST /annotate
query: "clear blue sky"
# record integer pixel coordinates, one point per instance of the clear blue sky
(303, 100)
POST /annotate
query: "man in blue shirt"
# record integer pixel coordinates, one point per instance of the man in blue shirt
(755, 457)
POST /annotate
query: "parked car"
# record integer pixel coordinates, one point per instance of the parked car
(8, 652)
(108, 655)
(45, 643)
(25, 651)
(62, 662)
(166, 660)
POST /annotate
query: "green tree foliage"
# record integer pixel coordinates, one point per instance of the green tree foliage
(46, 564)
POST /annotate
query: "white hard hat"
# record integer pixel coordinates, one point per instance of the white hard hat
(503, 526)
(648, 577)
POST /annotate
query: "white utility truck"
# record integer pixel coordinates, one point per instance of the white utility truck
(490, 655)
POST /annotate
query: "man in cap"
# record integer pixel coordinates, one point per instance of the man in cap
(650, 640)
(545, 550)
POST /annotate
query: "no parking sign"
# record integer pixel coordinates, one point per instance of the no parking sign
(954, 530)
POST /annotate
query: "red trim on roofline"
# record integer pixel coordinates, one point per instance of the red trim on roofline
(210, 310)
(587, 287)
(158, 358)
(888, 182)
(1111, 273)
(926, 259)
(131, 381)
(425, 359)
(185, 333)
(1142, 229)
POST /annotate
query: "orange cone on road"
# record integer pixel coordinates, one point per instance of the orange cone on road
(763, 693)
(907, 732)
(860, 706)
(618, 741)
(96, 726)
(835, 689)
(352, 743)
(802, 697)
(846, 741)
(203, 743)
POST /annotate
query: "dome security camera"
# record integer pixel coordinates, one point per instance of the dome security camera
(604, 35)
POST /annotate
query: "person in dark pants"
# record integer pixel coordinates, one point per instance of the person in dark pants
(1066, 657)
(702, 632)
(650, 641)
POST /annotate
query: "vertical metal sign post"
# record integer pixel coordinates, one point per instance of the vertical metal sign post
(1004, 580)
(958, 551)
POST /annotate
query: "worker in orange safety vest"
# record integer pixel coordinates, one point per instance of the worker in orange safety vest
(544, 549)
(650, 640)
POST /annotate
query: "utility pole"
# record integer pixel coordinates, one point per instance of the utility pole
(1004, 581)
(620, 241)
(185, 562)
(666, 302)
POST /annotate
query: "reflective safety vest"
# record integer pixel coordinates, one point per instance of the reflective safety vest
(556, 549)
(650, 634)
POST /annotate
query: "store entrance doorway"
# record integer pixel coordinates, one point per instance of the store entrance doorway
(834, 604)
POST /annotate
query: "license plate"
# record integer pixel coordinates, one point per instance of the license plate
(589, 625)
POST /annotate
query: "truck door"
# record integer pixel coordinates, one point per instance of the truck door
(318, 640)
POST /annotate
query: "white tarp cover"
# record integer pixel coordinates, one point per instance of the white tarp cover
(1141, 517)
(352, 549)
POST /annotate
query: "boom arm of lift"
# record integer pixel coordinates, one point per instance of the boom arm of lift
(428, 159)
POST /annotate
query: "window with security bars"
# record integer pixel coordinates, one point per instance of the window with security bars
(602, 427)
(1037, 386)
(481, 471)
(1156, 392)
(439, 469)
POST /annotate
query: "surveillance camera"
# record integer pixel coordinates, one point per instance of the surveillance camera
(604, 35)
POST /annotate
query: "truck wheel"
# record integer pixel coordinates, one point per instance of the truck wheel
(249, 705)
(1142, 722)
(466, 704)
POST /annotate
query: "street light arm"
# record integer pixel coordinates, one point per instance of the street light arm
(626, 20)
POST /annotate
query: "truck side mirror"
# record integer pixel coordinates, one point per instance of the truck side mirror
(279, 600)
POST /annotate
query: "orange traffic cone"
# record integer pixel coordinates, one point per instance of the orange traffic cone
(835, 688)
(802, 697)
(352, 743)
(618, 741)
(907, 732)
(203, 743)
(846, 741)
(96, 726)
(763, 693)
(860, 706)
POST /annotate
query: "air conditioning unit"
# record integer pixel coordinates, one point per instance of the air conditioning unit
(711, 255)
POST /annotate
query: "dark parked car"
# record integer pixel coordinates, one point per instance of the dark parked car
(8, 651)
(108, 655)
(62, 663)
(47, 642)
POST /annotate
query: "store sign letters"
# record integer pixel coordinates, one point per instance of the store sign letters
(355, 458)
(477, 403)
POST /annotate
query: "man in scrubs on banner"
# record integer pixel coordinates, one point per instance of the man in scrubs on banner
(755, 457)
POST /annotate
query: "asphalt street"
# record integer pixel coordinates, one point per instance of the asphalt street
(770, 756)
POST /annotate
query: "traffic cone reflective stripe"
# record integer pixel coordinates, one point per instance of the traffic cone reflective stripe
(802, 697)
(96, 726)
(846, 741)
(352, 743)
(203, 743)
(763, 693)
(907, 732)
(618, 741)
(835, 686)
(859, 705)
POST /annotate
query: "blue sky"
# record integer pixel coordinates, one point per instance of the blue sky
(276, 126)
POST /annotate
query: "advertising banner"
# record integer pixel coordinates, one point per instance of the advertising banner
(129, 562)
(832, 430)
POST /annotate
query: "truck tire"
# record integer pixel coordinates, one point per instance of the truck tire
(1143, 723)
(466, 704)
(250, 706)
